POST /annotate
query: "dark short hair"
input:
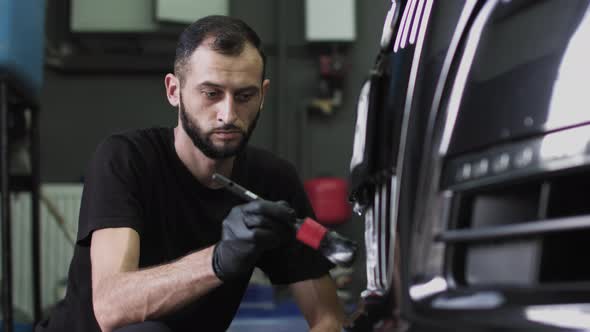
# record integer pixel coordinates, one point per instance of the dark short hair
(229, 34)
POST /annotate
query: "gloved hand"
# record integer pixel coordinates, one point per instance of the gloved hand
(248, 231)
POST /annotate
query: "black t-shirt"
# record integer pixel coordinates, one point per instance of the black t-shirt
(137, 180)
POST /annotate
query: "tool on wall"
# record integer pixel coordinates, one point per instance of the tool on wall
(332, 72)
(330, 26)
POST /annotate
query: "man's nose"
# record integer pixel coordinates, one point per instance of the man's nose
(227, 111)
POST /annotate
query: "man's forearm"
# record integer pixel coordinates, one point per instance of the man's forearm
(319, 303)
(327, 324)
(130, 297)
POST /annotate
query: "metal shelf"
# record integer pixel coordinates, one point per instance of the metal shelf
(9, 183)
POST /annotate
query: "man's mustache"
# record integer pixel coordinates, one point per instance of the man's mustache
(229, 127)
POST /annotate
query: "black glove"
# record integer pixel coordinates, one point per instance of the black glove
(247, 231)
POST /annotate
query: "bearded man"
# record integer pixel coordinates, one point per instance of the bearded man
(160, 246)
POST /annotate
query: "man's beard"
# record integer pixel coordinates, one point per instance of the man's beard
(203, 142)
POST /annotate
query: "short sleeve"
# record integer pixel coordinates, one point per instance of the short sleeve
(112, 195)
(294, 261)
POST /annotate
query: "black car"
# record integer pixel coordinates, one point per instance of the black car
(473, 150)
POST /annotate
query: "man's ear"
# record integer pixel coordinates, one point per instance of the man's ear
(172, 84)
(265, 85)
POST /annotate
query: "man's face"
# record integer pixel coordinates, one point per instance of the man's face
(220, 100)
(202, 139)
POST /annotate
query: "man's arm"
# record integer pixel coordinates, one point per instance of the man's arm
(319, 303)
(122, 294)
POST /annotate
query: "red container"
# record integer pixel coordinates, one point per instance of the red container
(329, 199)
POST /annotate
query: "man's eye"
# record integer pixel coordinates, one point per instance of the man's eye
(244, 97)
(210, 94)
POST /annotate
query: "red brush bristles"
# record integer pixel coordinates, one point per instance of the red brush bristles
(311, 233)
